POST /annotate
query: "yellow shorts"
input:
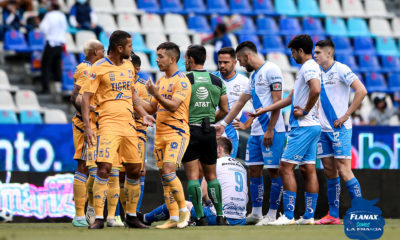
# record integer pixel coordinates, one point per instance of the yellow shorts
(79, 142)
(142, 153)
(91, 156)
(170, 148)
(117, 149)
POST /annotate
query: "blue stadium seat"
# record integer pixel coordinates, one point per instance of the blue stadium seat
(81, 57)
(138, 43)
(198, 24)
(390, 63)
(375, 82)
(247, 27)
(68, 61)
(253, 38)
(36, 41)
(30, 117)
(264, 7)
(145, 75)
(153, 60)
(386, 46)
(273, 43)
(67, 83)
(217, 6)
(342, 45)
(240, 7)
(150, 6)
(215, 20)
(394, 82)
(194, 6)
(317, 38)
(15, 41)
(369, 63)
(335, 27)
(267, 25)
(173, 6)
(313, 26)
(8, 117)
(287, 40)
(357, 27)
(347, 59)
(309, 8)
(363, 45)
(289, 26)
(293, 62)
(104, 39)
(286, 7)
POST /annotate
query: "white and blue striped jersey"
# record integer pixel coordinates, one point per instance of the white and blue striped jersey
(260, 90)
(335, 93)
(235, 86)
(309, 70)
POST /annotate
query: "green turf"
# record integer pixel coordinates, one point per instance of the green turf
(61, 231)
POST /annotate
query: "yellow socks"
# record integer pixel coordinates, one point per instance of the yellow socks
(132, 192)
(122, 196)
(100, 188)
(113, 193)
(176, 188)
(89, 185)
(169, 199)
(80, 193)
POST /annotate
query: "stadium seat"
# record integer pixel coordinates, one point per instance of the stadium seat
(353, 8)
(5, 83)
(386, 46)
(15, 41)
(36, 41)
(376, 8)
(313, 26)
(153, 61)
(181, 39)
(82, 36)
(217, 6)
(368, 63)
(27, 100)
(107, 22)
(155, 39)
(363, 45)
(104, 6)
(215, 20)
(289, 26)
(266, 25)
(129, 22)
(138, 43)
(104, 39)
(396, 26)
(247, 27)
(175, 23)
(210, 65)
(264, 7)
(67, 80)
(55, 116)
(335, 27)
(145, 66)
(288, 38)
(152, 23)
(240, 7)
(273, 43)
(309, 8)
(199, 24)
(194, 6)
(68, 61)
(394, 82)
(171, 6)
(390, 63)
(8, 117)
(288, 81)
(317, 38)
(70, 44)
(357, 27)
(30, 117)
(125, 6)
(331, 8)
(286, 7)
(380, 27)
(6, 101)
(181, 64)
(347, 59)
(282, 61)
(294, 63)
(374, 82)
(149, 6)
(253, 38)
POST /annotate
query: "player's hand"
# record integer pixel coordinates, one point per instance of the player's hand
(238, 125)
(151, 88)
(90, 137)
(298, 112)
(92, 108)
(258, 112)
(148, 120)
(339, 122)
(219, 130)
(267, 139)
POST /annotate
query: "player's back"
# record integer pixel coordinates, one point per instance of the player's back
(140, 87)
(80, 76)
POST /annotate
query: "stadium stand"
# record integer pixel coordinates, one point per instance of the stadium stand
(264, 7)
(335, 27)
(266, 25)
(8, 117)
(386, 46)
(309, 8)
(353, 8)
(331, 8)
(27, 100)
(54, 116)
(129, 22)
(240, 7)
(30, 117)
(374, 82)
(126, 6)
(312, 26)
(286, 7)
(380, 27)
(6, 101)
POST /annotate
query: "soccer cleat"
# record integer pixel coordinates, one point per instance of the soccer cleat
(302, 221)
(98, 224)
(141, 218)
(90, 215)
(200, 222)
(112, 222)
(328, 220)
(282, 220)
(265, 221)
(252, 219)
(221, 221)
(168, 224)
(80, 223)
(134, 222)
(184, 218)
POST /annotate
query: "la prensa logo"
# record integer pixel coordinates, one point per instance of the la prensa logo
(363, 220)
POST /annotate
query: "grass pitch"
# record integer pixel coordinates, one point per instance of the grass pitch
(65, 231)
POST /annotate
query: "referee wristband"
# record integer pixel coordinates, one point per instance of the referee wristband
(305, 112)
(223, 123)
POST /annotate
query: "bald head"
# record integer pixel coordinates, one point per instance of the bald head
(90, 46)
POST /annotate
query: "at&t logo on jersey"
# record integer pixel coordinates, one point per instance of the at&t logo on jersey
(202, 94)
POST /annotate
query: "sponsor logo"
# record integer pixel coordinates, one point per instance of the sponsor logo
(202, 93)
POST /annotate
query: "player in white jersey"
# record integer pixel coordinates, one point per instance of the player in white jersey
(305, 130)
(235, 84)
(267, 138)
(334, 147)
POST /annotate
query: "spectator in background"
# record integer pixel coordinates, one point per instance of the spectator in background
(222, 39)
(54, 27)
(82, 16)
(11, 17)
(381, 114)
(358, 118)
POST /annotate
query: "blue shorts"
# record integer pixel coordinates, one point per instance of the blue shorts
(301, 147)
(235, 146)
(258, 154)
(212, 218)
(335, 144)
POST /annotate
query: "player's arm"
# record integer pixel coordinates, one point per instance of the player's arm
(269, 134)
(275, 106)
(85, 108)
(315, 89)
(360, 93)
(74, 97)
(170, 104)
(238, 125)
(223, 108)
(137, 106)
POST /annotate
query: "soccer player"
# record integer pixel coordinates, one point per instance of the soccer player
(171, 98)
(208, 92)
(93, 51)
(267, 138)
(235, 84)
(111, 83)
(303, 137)
(232, 176)
(334, 147)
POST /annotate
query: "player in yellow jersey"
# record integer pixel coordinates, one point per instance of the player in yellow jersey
(93, 51)
(171, 96)
(111, 83)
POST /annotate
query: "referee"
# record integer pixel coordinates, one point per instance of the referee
(208, 92)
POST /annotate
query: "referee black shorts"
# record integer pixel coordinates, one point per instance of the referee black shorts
(202, 146)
